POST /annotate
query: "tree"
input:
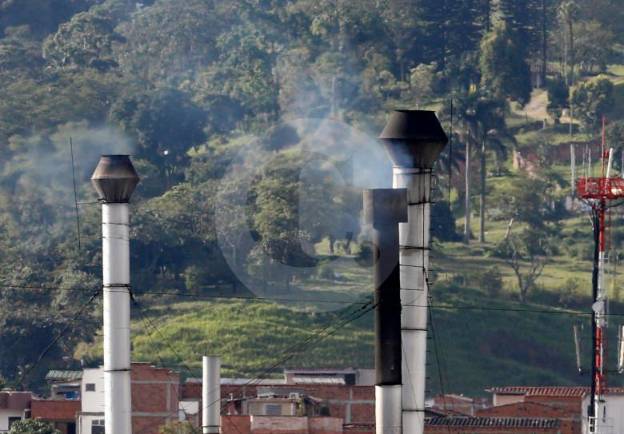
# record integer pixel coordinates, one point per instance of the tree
(32, 426)
(481, 126)
(504, 71)
(527, 255)
(42, 16)
(165, 123)
(594, 46)
(85, 41)
(568, 13)
(593, 100)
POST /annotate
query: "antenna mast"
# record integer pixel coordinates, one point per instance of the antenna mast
(598, 192)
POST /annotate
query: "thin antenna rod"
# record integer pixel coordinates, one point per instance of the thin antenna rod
(71, 150)
(450, 156)
(620, 360)
(578, 348)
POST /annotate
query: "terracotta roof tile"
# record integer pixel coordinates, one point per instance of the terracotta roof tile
(493, 422)
(551, 391)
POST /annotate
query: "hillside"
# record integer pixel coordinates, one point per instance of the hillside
(253, 126)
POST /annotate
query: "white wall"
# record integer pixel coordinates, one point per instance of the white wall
(85, 422)
(5, 414)
(92, 402)
(614, 421)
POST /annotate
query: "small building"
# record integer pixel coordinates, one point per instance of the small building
(64, 384)
(614, 414)
(451, 404)
(14, 406)
(155, 399)
(354, 404)
(62, 414)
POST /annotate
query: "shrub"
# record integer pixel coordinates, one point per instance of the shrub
(325, 271)
(491, 281)
(31, 426)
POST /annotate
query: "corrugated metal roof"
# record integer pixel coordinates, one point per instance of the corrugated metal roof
(493, 422)
(334, 381)
(243, 381)
(58, 375)
(551, 391)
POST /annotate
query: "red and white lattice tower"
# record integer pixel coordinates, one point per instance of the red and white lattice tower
(598, 192)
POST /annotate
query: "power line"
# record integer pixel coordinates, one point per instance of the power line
(71, 150)
(441, 306)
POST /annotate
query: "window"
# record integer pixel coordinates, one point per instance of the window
(90, 387)
(97, 426)
(12, 420)
(273, 409)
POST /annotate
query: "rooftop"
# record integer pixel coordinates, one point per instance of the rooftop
(493, 422)
(63, 376)
(551, 391)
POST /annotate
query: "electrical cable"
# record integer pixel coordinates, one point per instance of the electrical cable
(71, 151)
(442, 306)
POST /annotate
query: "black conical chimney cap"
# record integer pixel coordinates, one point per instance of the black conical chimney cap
(114, 178)
(414, 138)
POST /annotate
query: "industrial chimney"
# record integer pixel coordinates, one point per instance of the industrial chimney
(414, 140)
(384, 209)
(114, 180)
(211, 395)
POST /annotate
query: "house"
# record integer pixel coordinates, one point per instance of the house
(614, 417)
(354, 403)
(14, 406)
(451, 404)
(566, 397)
(566, 403)
(62, 414)
(64, 384)
(155, 399)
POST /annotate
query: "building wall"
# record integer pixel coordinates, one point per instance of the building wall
(500, 399)
(92, 401)
(354, 404)
(615, 412)
(5, 414)
(570, 404)
(155, 396)
(280, 425)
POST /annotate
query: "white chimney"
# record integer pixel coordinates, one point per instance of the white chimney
(211, 395)
(115, 180)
